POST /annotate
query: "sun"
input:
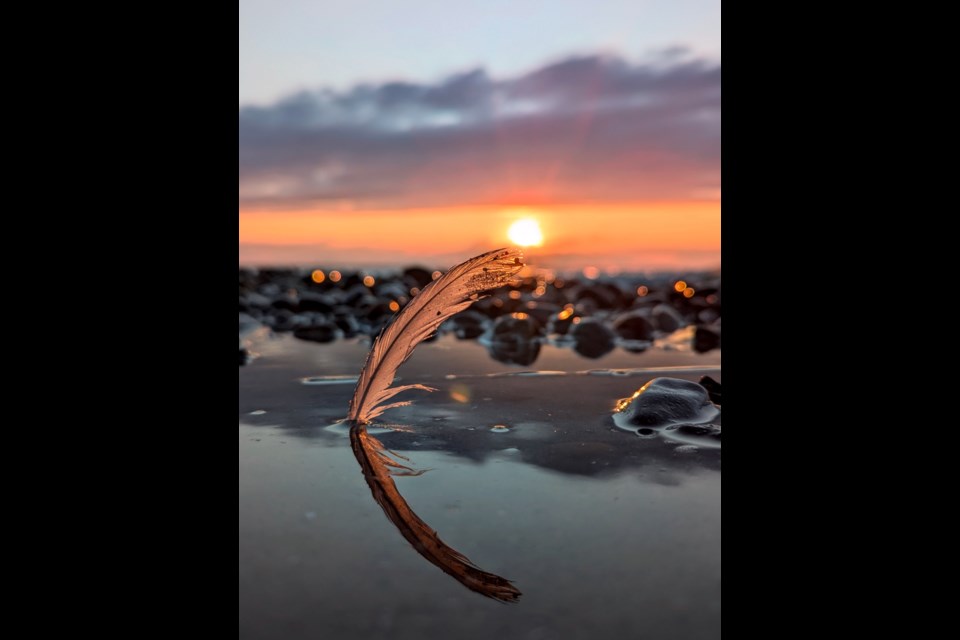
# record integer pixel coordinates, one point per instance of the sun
(526, 233)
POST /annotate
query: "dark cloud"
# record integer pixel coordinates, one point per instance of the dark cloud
(584, 128)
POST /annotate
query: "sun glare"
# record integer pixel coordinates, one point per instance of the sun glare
(526, 233)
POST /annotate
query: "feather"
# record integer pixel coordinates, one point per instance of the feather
(378, 467)
(447, 295)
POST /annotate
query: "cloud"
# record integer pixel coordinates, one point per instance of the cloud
(588, 128)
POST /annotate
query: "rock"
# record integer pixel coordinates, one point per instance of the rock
(593, 339)
(633, 325)
(392, 291)
(310, 301)
(247, 324)
(317, 333)
(515, 339)
(281, 321)
(359, 298)
(666, 401)
(521, 352)
(599, 295)
(708, 315)
(711, 431)
(712, 387)
(706, 338)
(269, 289)
(515, 327)
(542, 311)
(468, 324)
(667, 318)
(417, 277)
(347, 324)
(286, 301)
(257, 301)
(379, 313)
(561, 322)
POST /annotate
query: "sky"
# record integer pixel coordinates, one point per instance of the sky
(382, 133)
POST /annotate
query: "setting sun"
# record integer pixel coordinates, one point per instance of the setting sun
(526, 233)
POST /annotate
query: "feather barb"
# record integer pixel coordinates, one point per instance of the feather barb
(447, 295)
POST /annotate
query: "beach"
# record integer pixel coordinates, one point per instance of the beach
(604, 530)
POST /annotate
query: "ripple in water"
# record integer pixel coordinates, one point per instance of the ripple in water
(329, 380)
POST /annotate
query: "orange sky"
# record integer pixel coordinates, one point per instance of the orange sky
(635, 236)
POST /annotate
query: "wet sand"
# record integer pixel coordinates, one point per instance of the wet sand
(604, 533)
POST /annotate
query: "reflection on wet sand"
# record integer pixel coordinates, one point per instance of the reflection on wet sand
(378, 467)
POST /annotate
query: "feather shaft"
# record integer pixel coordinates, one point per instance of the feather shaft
(449, 294)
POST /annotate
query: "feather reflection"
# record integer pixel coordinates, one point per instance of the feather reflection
(378, 467)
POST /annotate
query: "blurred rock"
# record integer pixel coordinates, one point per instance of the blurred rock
(593, 339)
(347, 324)
(514, 327)
(317, 333)
(561, 322)
(392, 291)
(286, 301)
(521, 352)
(257, 301)
(417, 277)
(708, 315)
(542, 311)
(310, 301)
(281, 321)
(712, 387)
(633, 325)
(667, 318)
(469, 324)
(706, 338)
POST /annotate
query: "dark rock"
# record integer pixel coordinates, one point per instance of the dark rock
(269, 289)
(392, 291)
(635, 346)
(348, 325)
(286, 301)
(247, 324)
(257, 301)
(378, 312)
(281, 321)
(665, 401)
(561, 322)
(515, 327)
(317, 333)
(352, 280)
(542, 311)
(596, 297)
(706, 338)
(593, 339)
(469, 324)
(710, 431)
(633, 325)
(310, 301)
(417, 277)
(712, 387)
(667, 318)
(708, 315)
(521, 352)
